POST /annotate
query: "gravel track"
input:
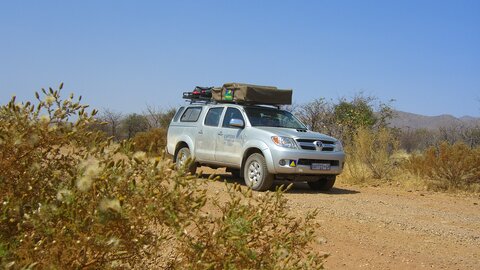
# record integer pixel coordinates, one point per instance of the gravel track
(390, 228)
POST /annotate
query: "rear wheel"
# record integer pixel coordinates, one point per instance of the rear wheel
(324, 183)
(182, 157)
(256, 174)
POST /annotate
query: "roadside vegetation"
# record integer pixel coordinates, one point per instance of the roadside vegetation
(376, 153)
(447, 159)
(75, 195)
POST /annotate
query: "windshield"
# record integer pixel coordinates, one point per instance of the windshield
(269, 117)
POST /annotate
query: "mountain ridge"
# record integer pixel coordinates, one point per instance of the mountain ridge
(407, 120)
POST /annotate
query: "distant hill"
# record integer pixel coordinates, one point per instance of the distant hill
(414, 121)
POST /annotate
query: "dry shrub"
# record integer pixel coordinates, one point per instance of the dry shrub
(369, 155)
(252, 231)
(71, 199)
(151, 141)
(447, 167)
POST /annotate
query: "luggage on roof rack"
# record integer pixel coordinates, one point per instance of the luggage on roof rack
(203, 91)
(199, 94)
(252, 94)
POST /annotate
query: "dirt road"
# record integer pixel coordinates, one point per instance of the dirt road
(390, 228)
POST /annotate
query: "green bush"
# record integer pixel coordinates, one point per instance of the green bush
(447, 166)
(71, 199)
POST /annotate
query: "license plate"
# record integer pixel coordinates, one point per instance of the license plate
(320, 166)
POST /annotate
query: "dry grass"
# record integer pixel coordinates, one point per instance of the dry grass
(369, 156)
(151, 141)
(373, 159)
(447, 167)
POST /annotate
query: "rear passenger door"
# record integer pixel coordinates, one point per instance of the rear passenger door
(207, 132)
(230, 139)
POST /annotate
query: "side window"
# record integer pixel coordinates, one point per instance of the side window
(177, 115)
(230, 114)
(213, 116)
(191, 114)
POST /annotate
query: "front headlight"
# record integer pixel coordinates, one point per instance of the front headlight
(338, 146)
(284, 142)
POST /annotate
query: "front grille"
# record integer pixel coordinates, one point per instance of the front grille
(313, 140)
(308, 144)
(308, 162)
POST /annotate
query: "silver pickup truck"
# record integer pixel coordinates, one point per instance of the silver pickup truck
(258, 143)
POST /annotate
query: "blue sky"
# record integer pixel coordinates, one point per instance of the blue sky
(124, 55)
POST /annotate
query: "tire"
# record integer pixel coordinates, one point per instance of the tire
(325, 183)
(255, 173)
(181, 159)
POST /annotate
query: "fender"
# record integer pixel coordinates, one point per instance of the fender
(265, 151)
(188, 141)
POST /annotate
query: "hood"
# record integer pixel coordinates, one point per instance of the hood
(293, 133)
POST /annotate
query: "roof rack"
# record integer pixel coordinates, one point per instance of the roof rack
(194, 100)
(242, 94)
(202, 100)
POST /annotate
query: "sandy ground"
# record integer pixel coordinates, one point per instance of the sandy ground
(389, 228)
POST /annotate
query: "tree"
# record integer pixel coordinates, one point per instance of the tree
(134, 123)
(361, 112)
(166, 118)
(344, 118)
(157, 117)
(412, 140)
(113, 120)
(472, 136)
(317, 115)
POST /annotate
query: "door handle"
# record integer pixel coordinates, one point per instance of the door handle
(220, 133)
(200, 132)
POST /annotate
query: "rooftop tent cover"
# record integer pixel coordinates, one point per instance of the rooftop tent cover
(249, 93)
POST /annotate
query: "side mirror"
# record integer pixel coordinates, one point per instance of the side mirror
(237, 123)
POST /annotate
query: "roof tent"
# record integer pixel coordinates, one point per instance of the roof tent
(252, 94)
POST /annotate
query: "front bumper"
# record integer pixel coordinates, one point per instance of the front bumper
(302, 160)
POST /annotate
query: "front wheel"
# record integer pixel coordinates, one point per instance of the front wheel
(256, 174)
(325, 183)
(182, 158)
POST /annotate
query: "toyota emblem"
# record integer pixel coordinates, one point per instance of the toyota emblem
(318, 145)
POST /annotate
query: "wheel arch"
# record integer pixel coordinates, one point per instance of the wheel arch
(265, 152)
(180, 145)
